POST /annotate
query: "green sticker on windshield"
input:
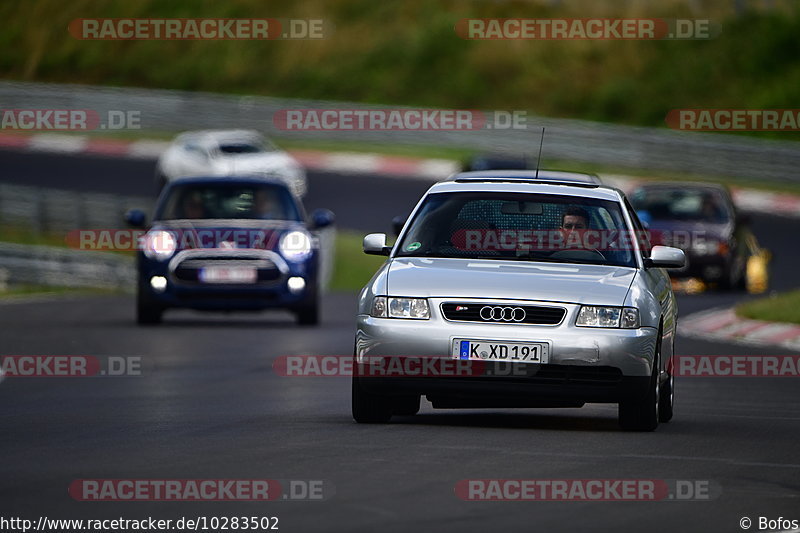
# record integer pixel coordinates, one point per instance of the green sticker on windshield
(413, 246)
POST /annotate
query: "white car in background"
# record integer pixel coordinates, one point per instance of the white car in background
(228, 152)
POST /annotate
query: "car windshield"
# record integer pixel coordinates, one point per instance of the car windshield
(519, 227)
(265, 201)
(229, 148)
(686, 204)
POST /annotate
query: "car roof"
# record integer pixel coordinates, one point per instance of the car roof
(682, 185)
(494, 181)
(541, 175)
(224, 180)
(219, 136)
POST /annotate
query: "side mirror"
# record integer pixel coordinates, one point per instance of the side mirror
(397, 224)
(135, 218)
(375, 244)
(666, 257)
(322, 218)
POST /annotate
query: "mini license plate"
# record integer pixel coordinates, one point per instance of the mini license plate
(511, 352)
(217, 274)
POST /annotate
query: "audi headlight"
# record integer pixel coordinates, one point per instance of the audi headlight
(591, 316)
(295, 246)
(159, 245)
(392, 307)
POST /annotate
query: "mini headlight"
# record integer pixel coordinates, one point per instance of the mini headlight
(295, 245)
(591, 316)
(159, 244)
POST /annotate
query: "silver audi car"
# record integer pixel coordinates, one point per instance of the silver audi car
(505, 289)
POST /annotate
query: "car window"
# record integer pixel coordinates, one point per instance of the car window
(681, 204)
(519, 226)
(240, 148)
(642, 234)
(239, 201)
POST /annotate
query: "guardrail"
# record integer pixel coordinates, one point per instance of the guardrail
(577, 140)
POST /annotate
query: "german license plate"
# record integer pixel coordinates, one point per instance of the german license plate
(219, 274)
(512, 352)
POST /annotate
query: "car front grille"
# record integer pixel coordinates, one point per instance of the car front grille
(503, 313)
(188, 270)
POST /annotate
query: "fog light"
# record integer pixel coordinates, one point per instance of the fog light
(296, 284)
(159, 283)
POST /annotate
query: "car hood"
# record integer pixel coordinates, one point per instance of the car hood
(224, 233)
(466, 278)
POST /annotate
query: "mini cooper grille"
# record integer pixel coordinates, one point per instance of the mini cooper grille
(188, 270)
(503, 313)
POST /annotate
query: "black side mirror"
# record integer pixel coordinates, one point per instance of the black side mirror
(135, 218)
(322, 218)
(397, 224)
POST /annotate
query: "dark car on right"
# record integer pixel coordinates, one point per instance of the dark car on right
(701, 219)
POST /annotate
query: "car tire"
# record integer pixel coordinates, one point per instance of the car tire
(369, 408)
(308, 316)
(641, 413)
(406, 405)
(666, 399)
(147, 313)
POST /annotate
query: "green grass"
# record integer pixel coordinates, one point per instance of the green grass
(782, 307)
(407, 53)
(352, 268)
(21, 291)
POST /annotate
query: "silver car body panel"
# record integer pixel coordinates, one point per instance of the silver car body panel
(488, 281)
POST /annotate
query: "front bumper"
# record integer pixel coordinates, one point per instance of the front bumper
(584, 365)
(275, 293)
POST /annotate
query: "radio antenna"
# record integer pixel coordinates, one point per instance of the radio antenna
(539, 159)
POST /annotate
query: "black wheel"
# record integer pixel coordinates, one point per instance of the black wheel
(148, 313)
(370, 408)
(641, 413)
(666, 399)
(308, 316)
(406, 405)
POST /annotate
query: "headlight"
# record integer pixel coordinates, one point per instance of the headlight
(707, 247)
(591, 316)
(391, 307)
(159, 245)
(295, 246)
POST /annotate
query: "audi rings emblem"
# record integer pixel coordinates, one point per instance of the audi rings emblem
(502, 314)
